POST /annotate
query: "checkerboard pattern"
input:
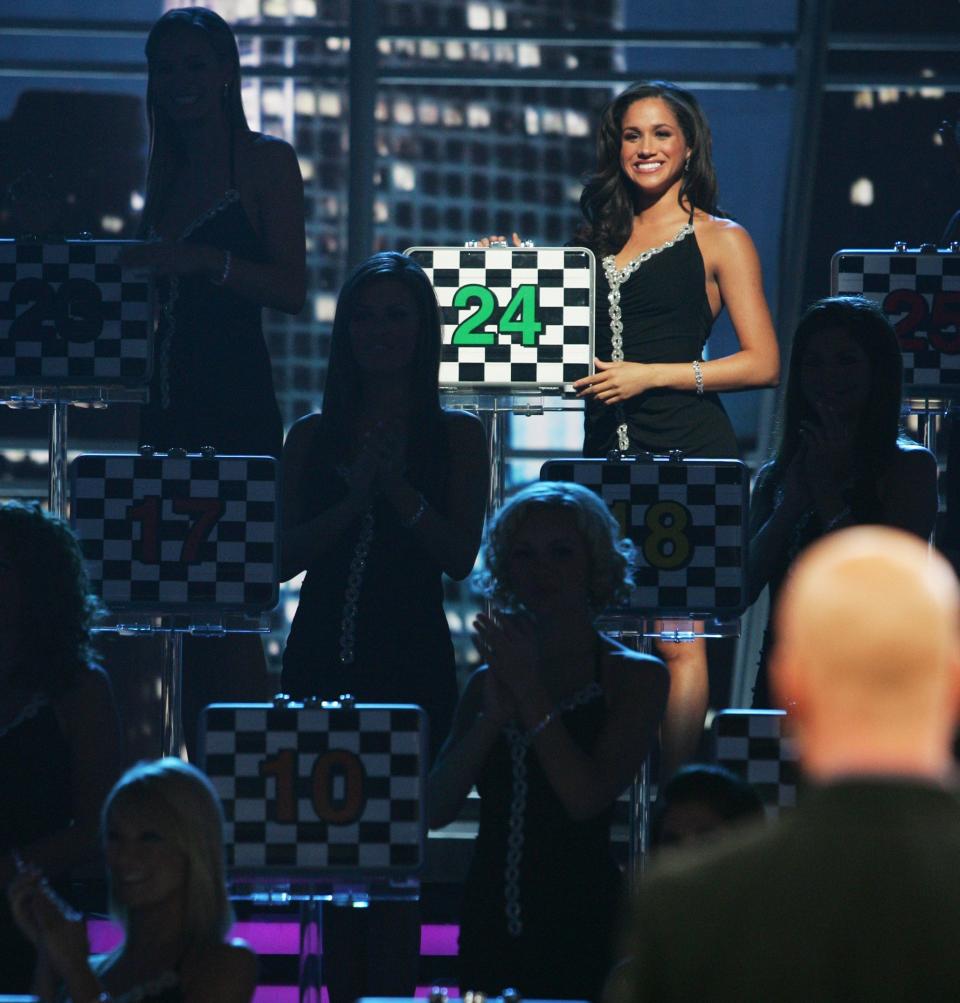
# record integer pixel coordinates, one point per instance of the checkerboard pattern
(752, 744)
(687, 519)
(564, 279)
(69, 314)
(379, 756)
(178, 534)
(920, 293)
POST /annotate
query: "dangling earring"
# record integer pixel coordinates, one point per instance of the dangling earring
(686, 166)
(226, 92)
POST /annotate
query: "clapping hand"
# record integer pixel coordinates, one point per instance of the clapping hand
(52, 926)
(509, 645)
(828, 454)
(390, 449)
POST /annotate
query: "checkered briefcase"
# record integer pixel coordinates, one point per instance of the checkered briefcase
(514, 319)
(178, 534)
(687, 519)
(70, 315)
(919, 291)
(319, 789)
(753, 744)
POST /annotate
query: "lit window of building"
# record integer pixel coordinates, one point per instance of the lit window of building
(861, 192)
(452, 116)
(324, 307)
(577, 123)
(428, 112)
(305, 101)
(329, 104)
(478, 17)
(404, 177)
(403, 112)
(478, 116)
(528, 55)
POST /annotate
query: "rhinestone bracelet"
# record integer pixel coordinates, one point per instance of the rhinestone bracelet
(698, 376)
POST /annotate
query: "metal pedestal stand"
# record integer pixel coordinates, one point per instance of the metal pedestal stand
(929, 411)
(310, 899)
(171, 631)
(639, 635)
(494, 411)
(59, 399)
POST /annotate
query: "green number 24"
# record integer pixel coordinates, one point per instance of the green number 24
(519, 317)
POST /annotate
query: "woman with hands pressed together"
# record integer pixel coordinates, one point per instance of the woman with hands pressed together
(384, 492)
(842, 459)
(224, 220)
(163, 842)
(551, 730)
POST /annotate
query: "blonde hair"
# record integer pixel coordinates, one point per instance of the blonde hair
(611, 556)
(190, 818)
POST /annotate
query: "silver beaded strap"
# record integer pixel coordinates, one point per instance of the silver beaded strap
(358, 564)
(615, 279)
(169, 308)
(519, 742)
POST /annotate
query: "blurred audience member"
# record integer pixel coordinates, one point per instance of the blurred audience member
(842, 458)
(856, 894)
(163, 840)
(701, 799)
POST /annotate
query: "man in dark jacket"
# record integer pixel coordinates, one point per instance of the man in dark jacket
(856, 894)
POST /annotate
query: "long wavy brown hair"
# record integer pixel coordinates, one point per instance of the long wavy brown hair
(608, 200)
(57, 608)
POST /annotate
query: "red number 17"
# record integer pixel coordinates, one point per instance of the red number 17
(205, 513)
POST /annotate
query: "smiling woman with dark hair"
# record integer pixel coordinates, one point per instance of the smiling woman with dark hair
(59, 734)
(383, 492)
(668, 263)
(842, 458)
(223, 217)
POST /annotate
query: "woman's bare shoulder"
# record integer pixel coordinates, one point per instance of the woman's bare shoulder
(303, 429)
(622, 663)
(718, 229)
(461, 422)
(911, 458)
(267, 158)
(89, 691)
(264, 146)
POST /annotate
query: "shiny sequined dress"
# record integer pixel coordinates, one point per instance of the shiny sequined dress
(540, 908)
(212, 382)
(660, 299)
(388, 641)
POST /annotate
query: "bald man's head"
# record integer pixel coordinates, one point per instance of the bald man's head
(868, 632)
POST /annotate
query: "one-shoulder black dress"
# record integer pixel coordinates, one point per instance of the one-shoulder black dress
(666, 317)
